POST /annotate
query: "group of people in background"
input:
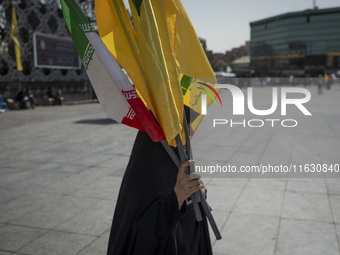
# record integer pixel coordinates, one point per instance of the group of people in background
(325, 81)
(26, 98)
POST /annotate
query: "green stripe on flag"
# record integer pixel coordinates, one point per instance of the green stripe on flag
(78, 25)
(185, 83)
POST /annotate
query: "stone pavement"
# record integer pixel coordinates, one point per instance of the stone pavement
(61, 168)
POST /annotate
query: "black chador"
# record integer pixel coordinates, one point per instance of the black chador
(147, 220)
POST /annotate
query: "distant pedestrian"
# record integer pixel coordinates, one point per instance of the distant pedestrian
(291, 80)
(327, 81)
(320, 84)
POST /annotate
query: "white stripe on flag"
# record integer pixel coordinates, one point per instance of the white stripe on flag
(110, 97)
(117, 74)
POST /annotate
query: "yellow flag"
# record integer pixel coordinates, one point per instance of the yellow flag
(14, 36)
(182, 50)
(159, 64)
(188, 51)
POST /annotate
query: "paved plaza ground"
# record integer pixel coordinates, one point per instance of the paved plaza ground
(61, 168)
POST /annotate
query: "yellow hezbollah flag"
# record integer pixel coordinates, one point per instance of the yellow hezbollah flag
(193, 62)
(159, 63)
(14, 36)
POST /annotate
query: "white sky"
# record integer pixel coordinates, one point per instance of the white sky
(225, 23)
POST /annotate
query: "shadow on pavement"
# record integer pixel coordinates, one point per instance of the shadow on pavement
(97, 121)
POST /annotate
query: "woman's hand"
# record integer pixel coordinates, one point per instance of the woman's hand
(187, 184)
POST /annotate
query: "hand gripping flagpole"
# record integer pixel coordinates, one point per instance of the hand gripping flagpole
(197, 197)
(184, 157)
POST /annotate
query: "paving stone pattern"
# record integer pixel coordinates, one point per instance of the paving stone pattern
(61, 169)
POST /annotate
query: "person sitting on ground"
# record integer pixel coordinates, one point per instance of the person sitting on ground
(56, 95)
(23, 99)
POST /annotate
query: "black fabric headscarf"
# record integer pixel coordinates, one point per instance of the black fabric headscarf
(147, 220)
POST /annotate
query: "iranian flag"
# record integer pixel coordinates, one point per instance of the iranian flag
(117, 96)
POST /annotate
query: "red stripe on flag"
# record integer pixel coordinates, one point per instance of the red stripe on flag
(145, 117)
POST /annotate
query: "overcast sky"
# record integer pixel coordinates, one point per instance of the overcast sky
(225, 23)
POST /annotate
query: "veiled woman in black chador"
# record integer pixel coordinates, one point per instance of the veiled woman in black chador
(152, 215)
